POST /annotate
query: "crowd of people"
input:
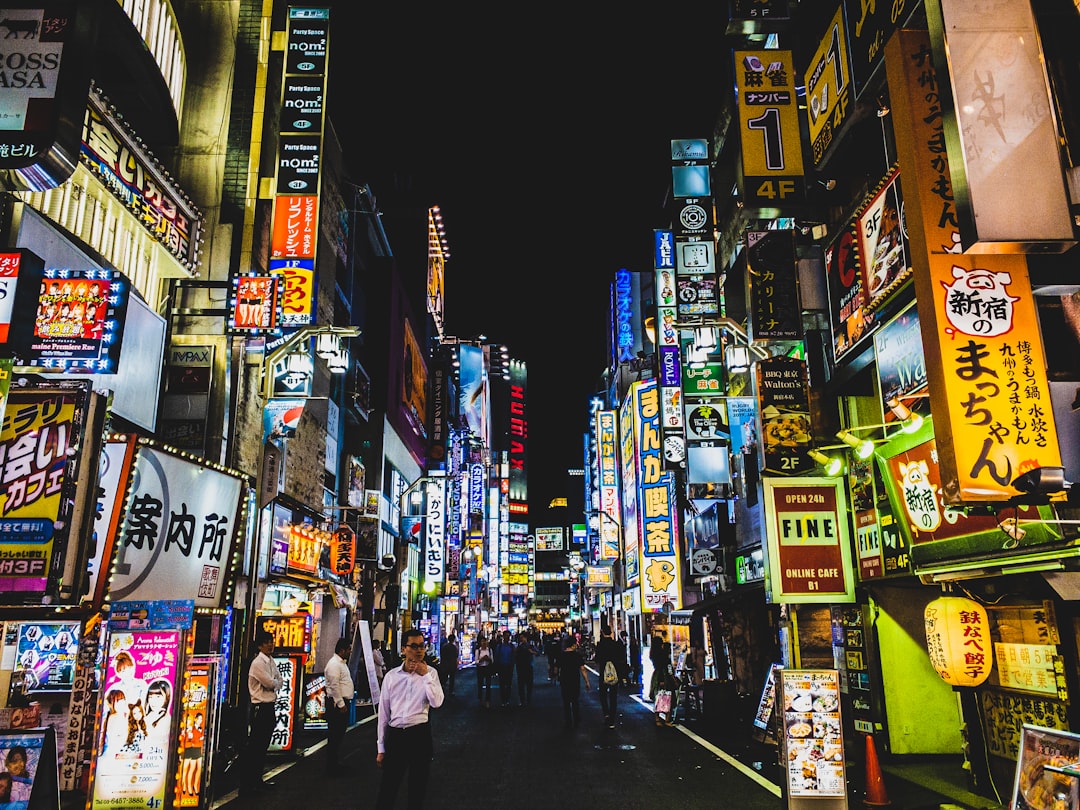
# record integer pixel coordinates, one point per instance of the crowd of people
(419, 682)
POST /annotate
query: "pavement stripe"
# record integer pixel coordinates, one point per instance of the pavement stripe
(724, 755)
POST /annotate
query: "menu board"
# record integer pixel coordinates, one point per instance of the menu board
(812, 734)
(764, 725)
(1047, 770)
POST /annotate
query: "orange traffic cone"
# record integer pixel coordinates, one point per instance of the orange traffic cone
(875, 785)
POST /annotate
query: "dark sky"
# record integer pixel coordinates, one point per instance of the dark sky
(545, 138)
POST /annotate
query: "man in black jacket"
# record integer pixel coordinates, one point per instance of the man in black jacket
(610, 650)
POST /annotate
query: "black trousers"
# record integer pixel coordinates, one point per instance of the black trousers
(483, 682)
(506, 678)
(262, 728)
(525, 685)
(408, 750)
(336, 722)
(609, 698)
(571, 702)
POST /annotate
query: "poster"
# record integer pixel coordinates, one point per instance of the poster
(45, 656)
(315, 701)
(196, 721)
(21, 754)
(764, 717)
(135, 735)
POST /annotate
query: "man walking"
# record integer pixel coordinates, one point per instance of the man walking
(404, 733)
(610, 651)
(339, 693)
(264, 681)
(570, 665)
(504, 666)
(635, 661)
(448, 663)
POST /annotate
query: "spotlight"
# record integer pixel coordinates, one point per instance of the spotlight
(911, 421)
(832, 465)
(864, 448)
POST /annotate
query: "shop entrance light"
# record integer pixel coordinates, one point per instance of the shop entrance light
(863, 448)
(832, 465)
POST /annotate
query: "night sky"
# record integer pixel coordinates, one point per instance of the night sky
(545, 139)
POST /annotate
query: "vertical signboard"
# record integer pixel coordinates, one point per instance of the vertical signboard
(772, 270)
(628, 464)
(434, 553)
(1000, 128)
(607, 457)
(811, 738)
(294, 232)
(287, 704)
(828, 87)
(198, 706)
(660, 548)
(769, 127)
(784, 410)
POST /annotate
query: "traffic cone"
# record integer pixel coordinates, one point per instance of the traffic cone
(875, 784)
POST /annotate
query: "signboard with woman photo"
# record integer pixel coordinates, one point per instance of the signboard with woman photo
(136, 737)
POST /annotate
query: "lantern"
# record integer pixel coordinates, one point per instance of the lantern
(958, 640)
(343, 551)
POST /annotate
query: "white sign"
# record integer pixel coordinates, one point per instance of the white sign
(434, 561)
(179, 530)
(703, 561)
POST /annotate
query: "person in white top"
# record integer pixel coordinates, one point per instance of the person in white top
(404, 738)
(339, 693)
(264, 681)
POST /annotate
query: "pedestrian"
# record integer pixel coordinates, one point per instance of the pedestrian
(551, 650)
(523, 657)
(339, 694)
(570, 664)
(264, 681)
(635, 660)
(485, 668)
(378, 661)
(660, 656)
(610, 651)
(504, 666)
(448, 663)
(409, 692)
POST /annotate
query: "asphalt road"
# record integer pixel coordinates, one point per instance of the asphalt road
(523, 757)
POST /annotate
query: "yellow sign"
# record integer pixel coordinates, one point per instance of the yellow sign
(1029, 667)
(828, 87)
(984, 355)
(769, 121)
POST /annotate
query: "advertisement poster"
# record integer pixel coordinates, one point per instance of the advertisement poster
(315, 701)
(136, 733)
(195, 720)
(22, 753)
(45, 656)
(883, 248)
(812, 736)
(784, 407)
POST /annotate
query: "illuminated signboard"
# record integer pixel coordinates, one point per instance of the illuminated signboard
(549, 539)
(433, 559)
(255, 305)
(828, 87)
(660, 567)
(607, 457)
(769, 118)
(292, 634)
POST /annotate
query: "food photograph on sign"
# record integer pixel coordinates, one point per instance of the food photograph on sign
(812, 733)
(883, 244)
(851, 320)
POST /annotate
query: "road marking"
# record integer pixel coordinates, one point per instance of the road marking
(745, 770)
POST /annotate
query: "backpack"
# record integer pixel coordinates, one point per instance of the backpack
(611, 675)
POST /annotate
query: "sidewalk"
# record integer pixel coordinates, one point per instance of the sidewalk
(911, 783)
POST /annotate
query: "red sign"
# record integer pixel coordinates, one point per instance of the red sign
(296, 227)
(343, 551)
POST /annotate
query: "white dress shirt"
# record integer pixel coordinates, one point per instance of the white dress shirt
(339, 684)
(406, 698)
(264, 680)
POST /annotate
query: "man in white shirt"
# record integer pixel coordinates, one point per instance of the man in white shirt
(404, 739)
(339, 693)
(264, 681)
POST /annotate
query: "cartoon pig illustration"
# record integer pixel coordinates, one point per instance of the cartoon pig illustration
(920, 499)
(978, 302)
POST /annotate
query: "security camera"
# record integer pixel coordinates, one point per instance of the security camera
(1041, 481)
(387, 562)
